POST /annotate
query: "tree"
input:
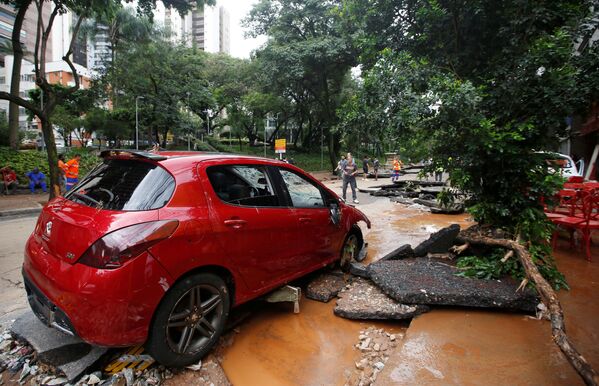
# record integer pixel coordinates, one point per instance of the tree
(305, 61)
(52, 95)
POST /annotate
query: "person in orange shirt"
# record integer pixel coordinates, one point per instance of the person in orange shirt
(396, 168)
(72, 171)
(62, 169)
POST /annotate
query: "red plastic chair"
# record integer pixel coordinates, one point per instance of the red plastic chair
(568, 204)
(585, 223)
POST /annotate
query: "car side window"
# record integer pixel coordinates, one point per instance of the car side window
(245, 185)
(304, 194)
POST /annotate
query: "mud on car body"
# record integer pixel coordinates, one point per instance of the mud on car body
(157, 247)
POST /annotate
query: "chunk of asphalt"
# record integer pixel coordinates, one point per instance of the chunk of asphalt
(438, 242)
(427, 281)
(399, 253)
(359, 270)
(363, 300)
(67, 353)
(325, 287)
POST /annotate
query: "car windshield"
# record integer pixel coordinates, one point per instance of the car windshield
(124, 185)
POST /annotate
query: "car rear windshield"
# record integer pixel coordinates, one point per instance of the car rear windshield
(124, 185)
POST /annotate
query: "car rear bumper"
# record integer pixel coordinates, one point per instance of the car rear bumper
(102, 307)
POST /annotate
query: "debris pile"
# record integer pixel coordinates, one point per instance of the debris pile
(374, 345)
(418, 193)
(325, 287)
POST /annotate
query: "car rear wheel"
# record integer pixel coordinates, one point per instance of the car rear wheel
(189, 320)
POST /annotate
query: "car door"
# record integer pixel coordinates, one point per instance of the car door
(318, 237)
(255, 228)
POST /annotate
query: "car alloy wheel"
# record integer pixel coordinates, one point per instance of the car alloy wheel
(194, 319)
(189, 320)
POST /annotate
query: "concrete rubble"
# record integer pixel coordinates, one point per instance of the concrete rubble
(433, 282)
(325, 287)
(363, 300)
(375, 346)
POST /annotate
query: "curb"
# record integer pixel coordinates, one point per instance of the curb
(20, 212)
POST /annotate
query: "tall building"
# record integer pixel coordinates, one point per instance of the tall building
(28, 30)
(207, 28)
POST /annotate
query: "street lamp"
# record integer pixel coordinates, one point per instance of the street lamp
(137, 122)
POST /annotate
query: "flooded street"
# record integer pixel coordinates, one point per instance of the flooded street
(445, 346)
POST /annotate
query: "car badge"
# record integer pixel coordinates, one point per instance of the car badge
(48, 228)
(70, 255)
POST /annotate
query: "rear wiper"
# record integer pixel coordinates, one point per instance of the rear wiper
(88, 198)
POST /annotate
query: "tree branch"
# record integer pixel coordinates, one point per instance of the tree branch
(21, 102)
(549, 297)
(67, 59)
(45, 36)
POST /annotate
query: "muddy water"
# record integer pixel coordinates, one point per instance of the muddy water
(314, 347)
(277, 347)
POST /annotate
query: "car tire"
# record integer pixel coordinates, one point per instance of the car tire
(189, 320)
(350, 250)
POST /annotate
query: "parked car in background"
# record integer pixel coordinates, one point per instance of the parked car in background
(563, 164)
(157, 247)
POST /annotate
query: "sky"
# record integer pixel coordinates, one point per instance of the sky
(238, 9)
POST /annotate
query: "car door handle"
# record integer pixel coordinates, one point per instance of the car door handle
(235, 223)
(305, 220)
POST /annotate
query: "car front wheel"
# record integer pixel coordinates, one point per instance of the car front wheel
(189, 320)
(350, 250)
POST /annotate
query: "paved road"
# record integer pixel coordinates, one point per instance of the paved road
(13, 235)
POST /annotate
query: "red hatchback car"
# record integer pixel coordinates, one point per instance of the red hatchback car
(157, 247)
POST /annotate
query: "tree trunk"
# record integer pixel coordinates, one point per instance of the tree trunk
(15, 79)
(52, 157)
(549, 297)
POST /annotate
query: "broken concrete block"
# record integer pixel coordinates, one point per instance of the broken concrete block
(359, 270)
(364, 300)
(399, 253)
(324, 287)
(438, 242)
(70, 354)
(427, 281)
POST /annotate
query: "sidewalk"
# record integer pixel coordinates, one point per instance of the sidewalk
(21, 204)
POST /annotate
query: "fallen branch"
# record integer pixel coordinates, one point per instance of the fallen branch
(548, 296)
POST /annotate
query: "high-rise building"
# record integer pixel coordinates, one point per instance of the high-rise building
(207, 28)
(28, 30)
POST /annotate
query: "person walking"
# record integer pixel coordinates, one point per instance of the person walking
(350, 169)
(37, 179)
(365, 166)
(9, 179)
(439, 174)
(396, 168)
(72, 171)
(376, 164)
(339, 168)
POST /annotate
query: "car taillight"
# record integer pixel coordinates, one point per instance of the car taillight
(115, 248)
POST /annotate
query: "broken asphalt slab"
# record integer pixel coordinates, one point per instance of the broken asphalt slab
(438, 242)
(400, 253)
(363, 300)
(325, 287)
(428, 281)
(67, 353)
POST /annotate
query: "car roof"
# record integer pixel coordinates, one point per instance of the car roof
(176, 159)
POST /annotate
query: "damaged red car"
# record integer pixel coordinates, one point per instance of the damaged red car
(158, 247)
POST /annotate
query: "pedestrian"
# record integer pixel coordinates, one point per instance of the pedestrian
(37, 179)
(376, 164)
(365, 166)
(72, 171)
(339, 168)
(396, 168)
(9, 179)
(62, 170)
(350, 169)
